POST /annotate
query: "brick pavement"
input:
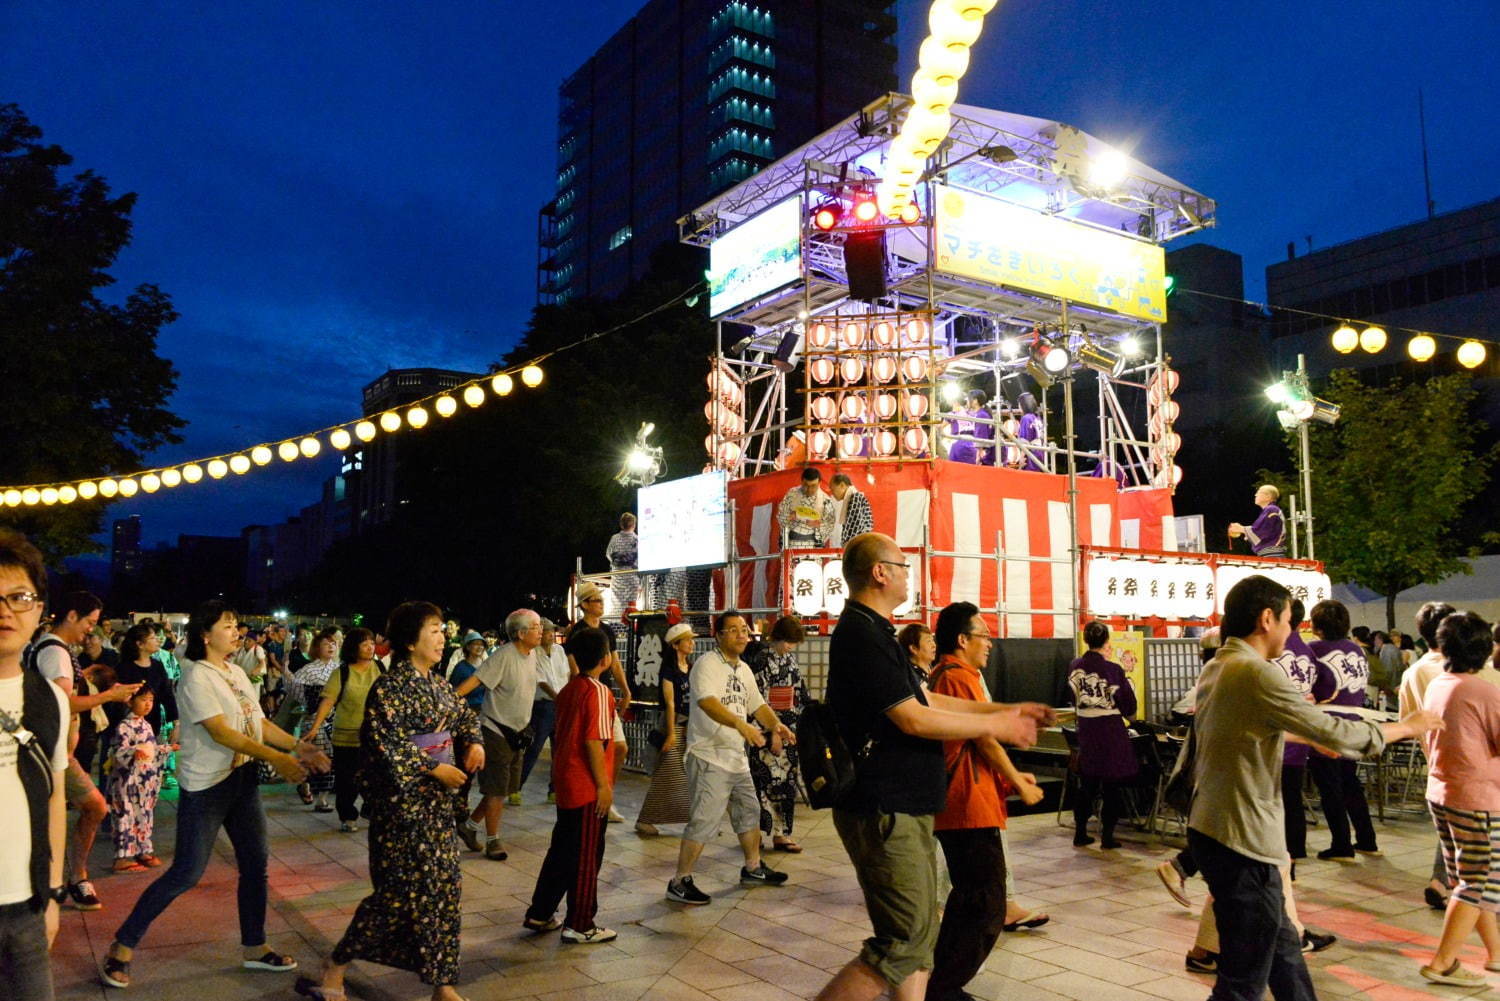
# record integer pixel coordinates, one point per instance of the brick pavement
(1114, 936)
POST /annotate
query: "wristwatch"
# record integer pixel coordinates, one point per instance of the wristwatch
(58, 894)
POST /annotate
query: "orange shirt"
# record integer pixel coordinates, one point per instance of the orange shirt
(976, 792)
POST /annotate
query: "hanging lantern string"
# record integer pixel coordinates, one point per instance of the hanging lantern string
(1267, 307)
(308, 444)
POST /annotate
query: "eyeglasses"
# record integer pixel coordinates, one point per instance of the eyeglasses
(983, 636)
(21, 601)
(893, 563)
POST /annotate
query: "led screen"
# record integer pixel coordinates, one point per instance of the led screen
(758, 255)
(684, 523)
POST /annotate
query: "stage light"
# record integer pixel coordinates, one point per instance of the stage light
(473, 396)
(502, 384)
(309, 446)
(643, 463)
(288, 451)
(339, 439)
(1168, 284)
(1108, 170)
(260, 455)
(1372, 339)
(1278, 392)
(191, 473)
(1345, 339)
(49, 496)
(67, 494)
(217, 468)
(390, 421)
(1130, 346)
(531, 376)
(952, 393)
(364, 430)
(88, 490)
(239, 464)
(1421, 347)
(1471, 354)
(1010, 348)
(171, 478)
(865, 209)
(826, 216)
(911, 214)
(31, 496)
(1323, 411)
(1101, 360)
(446, 406)
(417, 417)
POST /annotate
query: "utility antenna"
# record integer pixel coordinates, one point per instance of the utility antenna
(1426, 176)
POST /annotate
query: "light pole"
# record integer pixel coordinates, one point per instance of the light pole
(1299, 408)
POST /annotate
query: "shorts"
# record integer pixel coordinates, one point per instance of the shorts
(77, 785)
(1470, 843)
(501, 774)
(710, 790)
(895, 860)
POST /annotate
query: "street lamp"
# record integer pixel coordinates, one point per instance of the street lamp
(1299, 408)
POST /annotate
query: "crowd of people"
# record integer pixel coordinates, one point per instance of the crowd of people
(391, 730)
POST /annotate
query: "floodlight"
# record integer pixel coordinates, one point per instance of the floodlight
(1054, 358)
(1100, 359)
(952, 392)
(1324, 412)
(826, 216)
(643, 463)
(1010, 348)
(1278, 392)
(1107, 170)
(1130, 346)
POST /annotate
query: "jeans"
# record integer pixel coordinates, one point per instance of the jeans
(975, 913)
(24, 968)
(1258, 946)
(1343, 800)
(543, 718)
(234, 805)
(345, 785)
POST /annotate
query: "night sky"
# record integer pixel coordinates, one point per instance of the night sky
(331, 189)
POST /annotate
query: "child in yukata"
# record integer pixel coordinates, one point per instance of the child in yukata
(135, 783)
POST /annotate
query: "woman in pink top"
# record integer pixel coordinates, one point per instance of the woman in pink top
(1463, 793)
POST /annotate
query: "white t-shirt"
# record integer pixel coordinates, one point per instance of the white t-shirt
(15, 848)
(253, 663)
(509, 678)
(551, 668)
(713, 676)
(203, 693)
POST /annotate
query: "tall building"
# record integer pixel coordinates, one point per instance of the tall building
(374, 467)
(1440, 274)
(689, 98)
(126, 561)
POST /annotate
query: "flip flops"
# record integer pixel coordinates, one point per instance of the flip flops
(1032, 919)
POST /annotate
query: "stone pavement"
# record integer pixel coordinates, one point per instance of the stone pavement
(1115, 935)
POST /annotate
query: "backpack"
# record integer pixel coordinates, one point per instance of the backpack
(828, 768)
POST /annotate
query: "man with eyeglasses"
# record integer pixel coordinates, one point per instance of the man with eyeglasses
(723, 699)
(33, 760)
(52, 655)
(895, 728)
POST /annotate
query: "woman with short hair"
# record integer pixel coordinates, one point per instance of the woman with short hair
(775, 773)
(342, 710)
(417, 733)
(318, 730)
(920, 646)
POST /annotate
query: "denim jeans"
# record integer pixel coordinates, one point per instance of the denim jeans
(1258, 946)
(24, 968)
(234, 805)
(543, 718)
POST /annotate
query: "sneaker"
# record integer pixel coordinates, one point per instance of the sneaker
(614, 816)
(495, 851)
(761, 875)
(349, 826)
(514, 799)
(83, 896)
(1316, 942)
(593, 936)
(1202, 964)
(469, 835)
(1455, 976)
(684, 891)
(1337, 854)
(541, 925)
(1175, 880)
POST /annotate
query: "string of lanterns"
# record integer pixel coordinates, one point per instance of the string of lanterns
(415, 415)
(953, 27)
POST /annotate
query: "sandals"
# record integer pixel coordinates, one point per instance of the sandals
(786, 845)
(306, 793)
(128, 864)
(310, 988)
(148, 860)
(116, 972)
(1032, 919)
(272, 961)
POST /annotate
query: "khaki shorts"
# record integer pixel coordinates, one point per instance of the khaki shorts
(711, 790)
(895, 860)
(77, 786)
(501, 774)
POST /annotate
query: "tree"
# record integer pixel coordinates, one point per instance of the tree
(1392, 479)
(85, 392)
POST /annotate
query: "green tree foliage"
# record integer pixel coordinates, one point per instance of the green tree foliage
(84, 390)
(1392, 479)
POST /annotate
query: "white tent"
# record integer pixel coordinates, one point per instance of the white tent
(1476, 592)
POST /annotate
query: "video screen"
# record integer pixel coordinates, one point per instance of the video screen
(684, 523)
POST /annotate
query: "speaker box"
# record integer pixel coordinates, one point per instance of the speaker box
(864, 263)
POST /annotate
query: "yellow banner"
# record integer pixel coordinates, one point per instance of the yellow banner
(993, 241)
(1128, 649)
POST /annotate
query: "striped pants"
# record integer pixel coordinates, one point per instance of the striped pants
(571, 869)
(1470, 843)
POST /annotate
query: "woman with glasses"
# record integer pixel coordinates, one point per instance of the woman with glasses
(1104, 700)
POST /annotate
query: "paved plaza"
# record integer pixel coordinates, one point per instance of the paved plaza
(1115, 935)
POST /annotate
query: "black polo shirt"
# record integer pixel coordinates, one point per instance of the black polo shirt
(869, 673)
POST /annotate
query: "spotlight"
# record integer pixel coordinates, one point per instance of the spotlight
(1100, 359)
(1345, 339)
(1278, 392)
(1324, 412)
(865, 209)
(643, 463)
(1010, 348)
(826, 216)
(910, 214)
(952, 393)
(1130, 346)
(1108, 169)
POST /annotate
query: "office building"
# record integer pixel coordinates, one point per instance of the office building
(689, 98)
(374, 467)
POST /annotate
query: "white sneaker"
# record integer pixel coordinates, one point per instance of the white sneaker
(615, 818)
(593, 936)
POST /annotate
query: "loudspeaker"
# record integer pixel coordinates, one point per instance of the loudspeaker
(864, 263)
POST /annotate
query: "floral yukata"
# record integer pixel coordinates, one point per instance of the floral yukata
(311, 680)
(780, 683)
(411, 920)
(134, 785)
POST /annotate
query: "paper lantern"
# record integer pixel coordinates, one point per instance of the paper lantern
(885, 442)
(822, 370)
(854, 335)
(288, 451)
(340, 439)
(31, 495)
(129, 487)
(416, 417)
(446, 406)
(1345, 339)
(851, 445)
(67, 494)
(239, 464)
(915, 368)
(729, 454)
(1373, 340)
(819, 442)
(502, 384)
(914, 441)
(807, 587)
(918, 331)
(88, 490)
(915, 405)
(853, 407)
(884, 369)
(834, 588)
(708, 445)
(1471, 354)
(473, 396)
(820, 335)
(824, 409)
(192, 473)
(170, 478)
(217, 468)
(885, 406)
(49, 496)
(390, 421)
(531, 376)
(852, 370)
(364, 430)
(1421, 347)
(884, 333)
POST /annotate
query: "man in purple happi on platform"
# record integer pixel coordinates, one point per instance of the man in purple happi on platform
(1267, 535)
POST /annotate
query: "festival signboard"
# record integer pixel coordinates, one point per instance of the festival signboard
(995, 241)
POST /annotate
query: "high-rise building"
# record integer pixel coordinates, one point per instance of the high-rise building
(689, 98)
(374, 467)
